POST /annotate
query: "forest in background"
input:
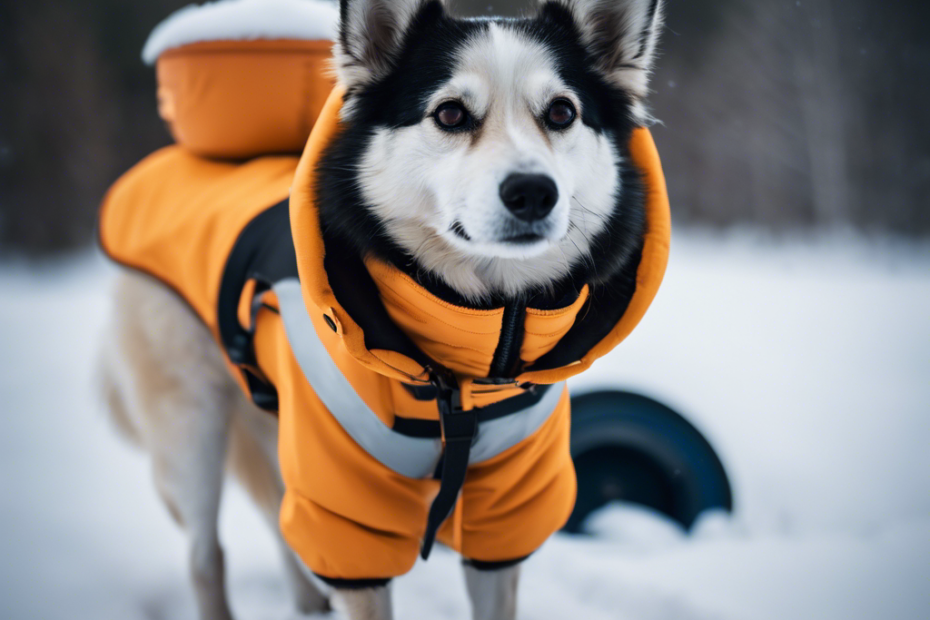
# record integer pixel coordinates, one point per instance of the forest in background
(780, 114)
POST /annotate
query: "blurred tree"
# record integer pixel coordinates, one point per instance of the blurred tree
(885, 54)
(780, 113)
(790, 112)
(77, 109)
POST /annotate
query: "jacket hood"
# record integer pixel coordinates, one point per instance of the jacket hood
(419, 327)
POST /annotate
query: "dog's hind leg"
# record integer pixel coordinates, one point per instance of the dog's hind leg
(254, 461)
(253, 458)
(493, 593)
(177, 395)
(364, 604)
(188, 475)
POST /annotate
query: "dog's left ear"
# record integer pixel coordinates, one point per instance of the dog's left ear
(621, 36)
(372, 34)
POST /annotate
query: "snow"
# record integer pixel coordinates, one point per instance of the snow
(806, 362)
(243, 20)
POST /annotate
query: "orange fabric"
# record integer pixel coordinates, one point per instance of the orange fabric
(543, 329)
(176, 216)
(344, 513)
(465, 339)
(514, 502)
(350, 517)
(238, 99)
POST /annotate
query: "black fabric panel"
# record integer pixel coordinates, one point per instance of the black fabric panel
(512, 404)
(264, 251)
(430, 429)
(559, 295)
(491, 566)
(415, 427)
(421, 392)
(353, 584)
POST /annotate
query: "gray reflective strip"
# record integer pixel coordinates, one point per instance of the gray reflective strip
(409, 456)
(495, 436)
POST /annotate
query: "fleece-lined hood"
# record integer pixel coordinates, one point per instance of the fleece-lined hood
(460, 338)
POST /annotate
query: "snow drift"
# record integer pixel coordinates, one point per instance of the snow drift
(804, 363)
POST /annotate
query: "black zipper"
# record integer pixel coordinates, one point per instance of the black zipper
(507, 355)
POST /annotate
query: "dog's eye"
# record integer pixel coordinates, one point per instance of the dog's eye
(451, 115)
(561, 114)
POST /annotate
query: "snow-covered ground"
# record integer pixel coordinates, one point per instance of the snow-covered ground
(807, 364)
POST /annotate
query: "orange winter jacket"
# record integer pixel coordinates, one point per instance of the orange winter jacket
(381, 388)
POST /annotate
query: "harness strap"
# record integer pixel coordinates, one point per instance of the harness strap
(459, 429)
(415, 427)
(252, 258)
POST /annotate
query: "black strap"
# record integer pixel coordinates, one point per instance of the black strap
(493, 566)
(459, 429)
(263, 252)
(431, 429)
(353, 584)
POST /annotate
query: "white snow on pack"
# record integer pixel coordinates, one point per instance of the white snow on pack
(243, 20)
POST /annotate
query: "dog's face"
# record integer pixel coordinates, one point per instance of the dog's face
(491, 151)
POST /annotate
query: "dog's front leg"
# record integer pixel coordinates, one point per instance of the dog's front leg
(364, 604)
(493, 592)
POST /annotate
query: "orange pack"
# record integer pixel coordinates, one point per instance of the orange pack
(240, 99)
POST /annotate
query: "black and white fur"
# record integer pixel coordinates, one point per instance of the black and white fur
(429, 201)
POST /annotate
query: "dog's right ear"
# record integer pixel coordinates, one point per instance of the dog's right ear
(621, 36)
(371, 34)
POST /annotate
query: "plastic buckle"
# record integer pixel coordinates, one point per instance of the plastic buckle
(456, 424)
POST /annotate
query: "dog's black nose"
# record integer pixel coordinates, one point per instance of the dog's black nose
(530, 197)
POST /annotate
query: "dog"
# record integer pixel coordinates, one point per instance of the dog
(486, 160)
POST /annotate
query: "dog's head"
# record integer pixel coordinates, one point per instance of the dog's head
(492, 152)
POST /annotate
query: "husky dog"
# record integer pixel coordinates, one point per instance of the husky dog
(487, 158)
